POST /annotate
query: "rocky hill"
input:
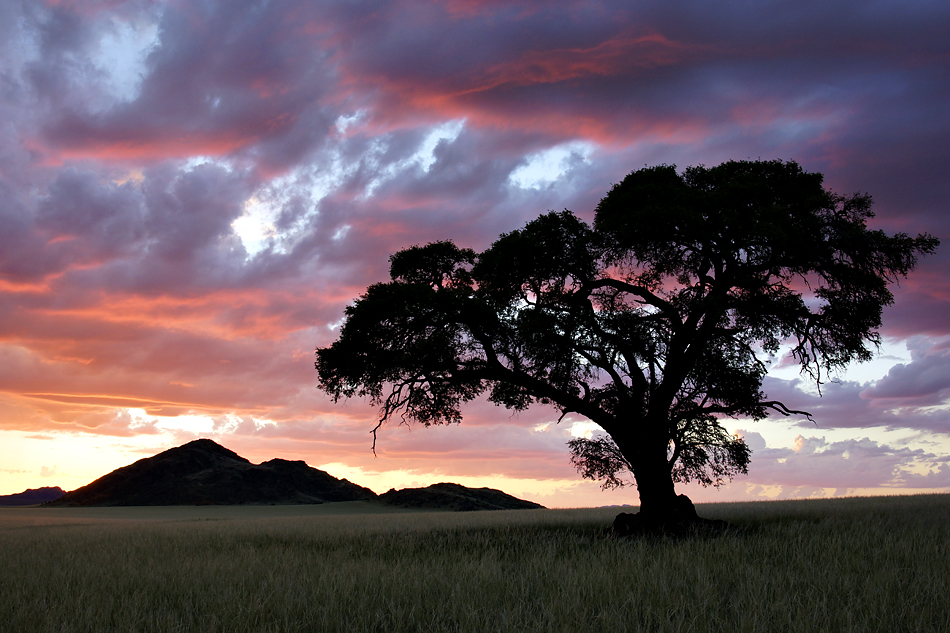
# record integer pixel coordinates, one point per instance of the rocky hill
(203, 472)
(32, 496)
(447, 496)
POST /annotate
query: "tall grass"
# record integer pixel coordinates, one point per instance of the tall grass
(878, 564)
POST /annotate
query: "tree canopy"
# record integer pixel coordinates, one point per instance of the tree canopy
(652, 323)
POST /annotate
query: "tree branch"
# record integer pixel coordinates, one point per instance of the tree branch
(649, 297)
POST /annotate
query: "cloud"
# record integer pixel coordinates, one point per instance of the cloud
(815, 463)
(221, 79)
(50, 472)
(180, 231)
(848, 404)
(911, 395)
(925, 381)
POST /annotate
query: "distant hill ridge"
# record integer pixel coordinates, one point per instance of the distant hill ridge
(32, 496)
(448, 496)
(203, 472)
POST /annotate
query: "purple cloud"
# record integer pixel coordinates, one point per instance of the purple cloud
(925, 381)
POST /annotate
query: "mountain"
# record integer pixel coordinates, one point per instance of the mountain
(32, 496)
(446, 496)
(203, 472)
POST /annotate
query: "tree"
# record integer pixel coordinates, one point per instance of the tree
(653, 323)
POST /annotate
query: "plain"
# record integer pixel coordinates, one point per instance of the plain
(852, 564)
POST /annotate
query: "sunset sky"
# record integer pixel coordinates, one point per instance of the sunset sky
(191, 191)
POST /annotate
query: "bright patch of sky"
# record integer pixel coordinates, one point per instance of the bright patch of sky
(446, 132)
(67, 460)
(196, 161)
(585, 429)
(424, 156)
(122, 52)
(779, 432)
(892, 352)
(256, 226)
(234, 424)
(546, 167)
(381, 481)
(190, 423)
(133, 175)
(346, 121)
(341, 232)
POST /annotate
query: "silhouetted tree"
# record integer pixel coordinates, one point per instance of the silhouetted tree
(652, 323)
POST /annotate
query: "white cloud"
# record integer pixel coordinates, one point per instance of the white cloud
(47, 472)
(122, 52)
(546, 167)
(447, 132)
(256, 226)
(424, 156)
(584, 429)
(346, 121)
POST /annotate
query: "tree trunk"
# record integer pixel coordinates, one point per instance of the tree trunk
(655, 485)
(662, 511)
(647, 454)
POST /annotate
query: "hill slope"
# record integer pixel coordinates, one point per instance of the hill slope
(447, 496)
(203, 472)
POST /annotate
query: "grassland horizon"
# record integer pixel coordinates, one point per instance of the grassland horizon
(846, 564)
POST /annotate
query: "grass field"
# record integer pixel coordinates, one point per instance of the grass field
(858, 564)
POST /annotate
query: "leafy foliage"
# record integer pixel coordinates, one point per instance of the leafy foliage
(706, 453)
(650, 323)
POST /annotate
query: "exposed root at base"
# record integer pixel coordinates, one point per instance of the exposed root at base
(679, 521)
